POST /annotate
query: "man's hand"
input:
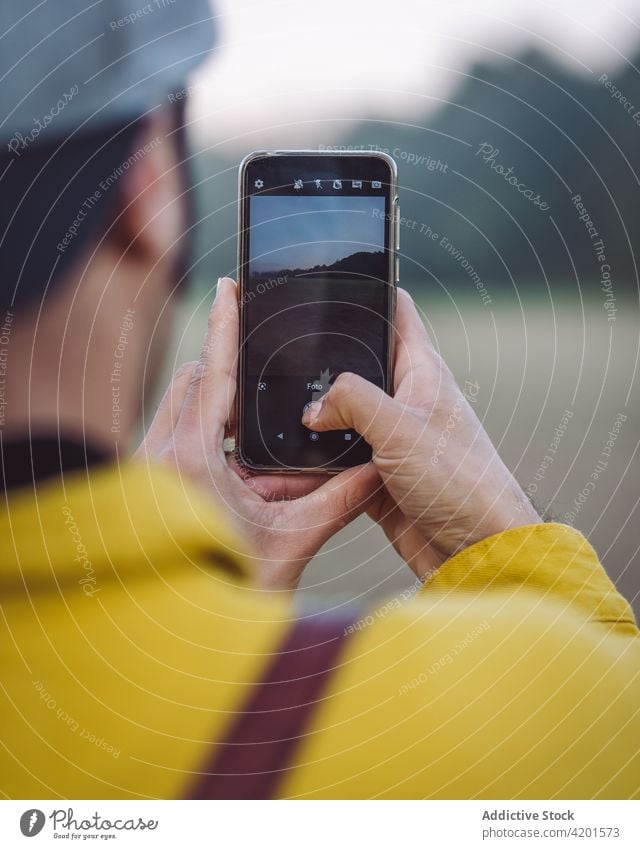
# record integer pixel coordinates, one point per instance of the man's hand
(285, 519)
(445, 487)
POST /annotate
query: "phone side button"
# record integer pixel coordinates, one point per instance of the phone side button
(397, 270)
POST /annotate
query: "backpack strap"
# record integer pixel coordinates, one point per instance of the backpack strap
(259, 747)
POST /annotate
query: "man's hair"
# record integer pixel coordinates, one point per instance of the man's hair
(59, 199)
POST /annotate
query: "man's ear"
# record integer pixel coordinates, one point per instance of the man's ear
(151, 218)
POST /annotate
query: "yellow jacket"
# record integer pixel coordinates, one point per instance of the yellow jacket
(138, 662)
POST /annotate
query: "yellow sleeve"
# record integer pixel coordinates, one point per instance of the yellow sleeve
(550, 559)
(513, 674)
(126, 654)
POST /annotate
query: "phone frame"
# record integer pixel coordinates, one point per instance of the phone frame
(393, 223)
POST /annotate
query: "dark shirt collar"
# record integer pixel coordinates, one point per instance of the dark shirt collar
(26, 462)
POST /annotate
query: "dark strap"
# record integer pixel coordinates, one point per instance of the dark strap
(260, 745)
(27, 462)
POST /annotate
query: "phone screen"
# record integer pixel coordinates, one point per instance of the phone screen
(316, 300)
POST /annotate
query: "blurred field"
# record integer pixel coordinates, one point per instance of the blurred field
(532, 361)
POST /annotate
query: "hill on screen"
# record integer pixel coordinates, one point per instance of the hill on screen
(358, 264)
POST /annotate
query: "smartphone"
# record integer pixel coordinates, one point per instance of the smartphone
(317, 269)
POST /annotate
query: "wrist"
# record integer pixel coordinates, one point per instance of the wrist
(493, 520)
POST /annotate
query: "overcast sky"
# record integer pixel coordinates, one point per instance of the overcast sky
(284, 64)
(300, 232)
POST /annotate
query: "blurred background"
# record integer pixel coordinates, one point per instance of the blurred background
(527, 278)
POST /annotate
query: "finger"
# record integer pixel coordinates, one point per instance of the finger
(211, 392)
(404, 535)
(413, 345)
(286, 487)
(278, 487)
(339, 501)
(353, 402)
(168, 411)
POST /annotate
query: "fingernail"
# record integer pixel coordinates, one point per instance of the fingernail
(311, 413)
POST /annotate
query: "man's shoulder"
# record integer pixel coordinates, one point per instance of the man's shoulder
(118, 519)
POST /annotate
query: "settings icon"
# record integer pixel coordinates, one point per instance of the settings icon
(259, 184)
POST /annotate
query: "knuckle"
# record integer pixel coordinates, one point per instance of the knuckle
(198, 373)
(352, 505)
(184, 370)
(344, 384)
(440, 368)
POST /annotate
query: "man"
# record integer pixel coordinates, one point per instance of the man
(150, 644)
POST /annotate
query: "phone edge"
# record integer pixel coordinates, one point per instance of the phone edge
(393, 277)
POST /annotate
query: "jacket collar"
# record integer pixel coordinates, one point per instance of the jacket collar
(108, 522)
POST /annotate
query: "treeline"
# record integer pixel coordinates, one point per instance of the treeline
(531, 175)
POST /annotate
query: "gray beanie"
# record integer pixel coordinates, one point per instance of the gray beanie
(75, 78)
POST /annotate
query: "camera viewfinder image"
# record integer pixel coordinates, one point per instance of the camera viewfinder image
(315, 301)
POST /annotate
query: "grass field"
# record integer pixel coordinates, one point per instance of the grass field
(532, 360)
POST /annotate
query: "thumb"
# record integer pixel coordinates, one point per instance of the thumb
(353, 402)
(335, 504)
